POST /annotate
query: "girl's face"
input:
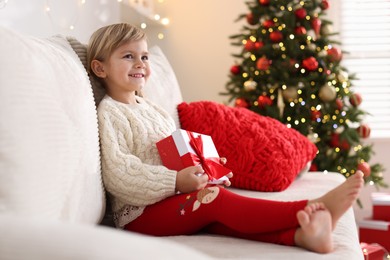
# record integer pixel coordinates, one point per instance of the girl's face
(127, 69)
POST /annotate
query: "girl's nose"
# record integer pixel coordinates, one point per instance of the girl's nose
(140, 64)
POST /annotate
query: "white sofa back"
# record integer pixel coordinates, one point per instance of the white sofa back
(49, 146)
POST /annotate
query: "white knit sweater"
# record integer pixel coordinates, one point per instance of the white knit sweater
(132, 172)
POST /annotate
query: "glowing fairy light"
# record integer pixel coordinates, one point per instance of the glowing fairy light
(165, 21)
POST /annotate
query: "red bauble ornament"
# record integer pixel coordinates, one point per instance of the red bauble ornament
(315, 114)
(250, 19)
(264, 101)
(339, 104)
(334, 54)
(355, 99)
(300, 30)
(313, 167)
(258, 45)
(310, 63)
(253, 46)
(316, 25)
(268, 24)
(249, 45)
(264, 2)
(300, 13)
(292, 63)
(263, 63)
(336, 142)
(364, 131)
(241, 102)
(235, 69)
(365, 168)
(324, 4)
(276, 36)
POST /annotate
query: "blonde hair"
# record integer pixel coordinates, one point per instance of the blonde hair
(106, 40)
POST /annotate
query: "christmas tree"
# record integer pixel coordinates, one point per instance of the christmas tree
(290, 69)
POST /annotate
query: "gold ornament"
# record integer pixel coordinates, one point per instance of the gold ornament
(327, 93)
(280, 103)
(250, 85)
(312, 35)
(326, 29)
(313, 137)
(312, 46)
(289, 94)
(322, 53)
(342, 76)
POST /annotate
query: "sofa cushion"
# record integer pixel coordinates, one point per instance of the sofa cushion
(37, 239)
(162, 86)
(263, 153)
(49, 149)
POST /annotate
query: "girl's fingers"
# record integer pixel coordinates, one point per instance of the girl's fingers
(223, 160)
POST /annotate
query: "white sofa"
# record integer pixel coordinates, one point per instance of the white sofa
(52, 199)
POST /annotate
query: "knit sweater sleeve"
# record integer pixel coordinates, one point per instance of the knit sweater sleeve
(126, 176)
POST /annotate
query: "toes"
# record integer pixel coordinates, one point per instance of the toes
(309, 208)
(315, 206)
(360, 173)
(303, 218)
(321, 206)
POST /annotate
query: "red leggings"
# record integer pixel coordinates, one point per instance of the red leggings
(220, 211)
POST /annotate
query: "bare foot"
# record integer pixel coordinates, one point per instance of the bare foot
(341, 198)
(315, 232)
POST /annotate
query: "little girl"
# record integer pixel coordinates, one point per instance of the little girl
(147, 197)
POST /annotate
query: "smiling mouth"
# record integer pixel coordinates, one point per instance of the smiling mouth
(137, 75)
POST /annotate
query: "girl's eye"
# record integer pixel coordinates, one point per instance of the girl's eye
(128, 56)
(145, 57)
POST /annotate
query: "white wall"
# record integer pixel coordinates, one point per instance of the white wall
(31, 17)
(198, 46)
(196, 42)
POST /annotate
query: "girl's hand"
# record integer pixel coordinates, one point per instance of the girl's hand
(227, 183)
(191, 179)
(223, 160)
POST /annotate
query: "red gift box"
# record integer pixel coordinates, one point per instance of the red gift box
(185, 148)
(375, 231)
(373, 251)
(381, 206)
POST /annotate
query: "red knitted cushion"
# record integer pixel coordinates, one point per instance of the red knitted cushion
(263, 153)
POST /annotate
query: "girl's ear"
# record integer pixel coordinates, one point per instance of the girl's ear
(98, 68)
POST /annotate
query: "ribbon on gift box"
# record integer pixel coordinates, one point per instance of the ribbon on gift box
(211, 165)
